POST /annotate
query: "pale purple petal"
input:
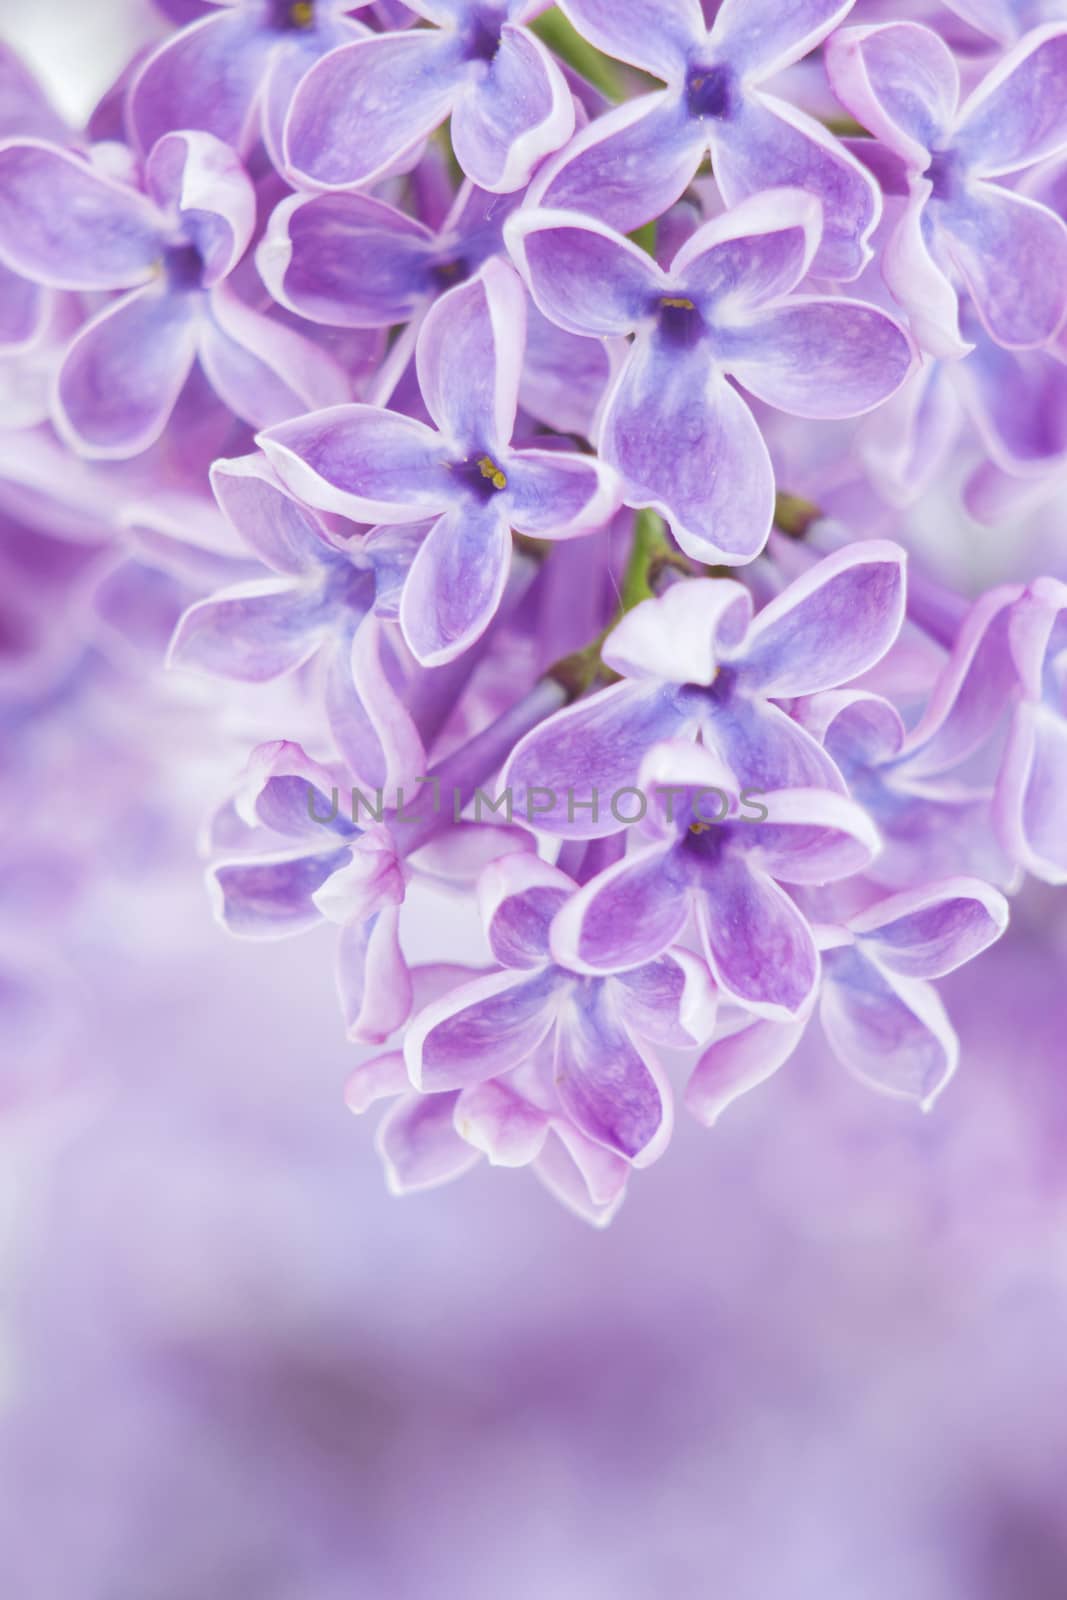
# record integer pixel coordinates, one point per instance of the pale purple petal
(603, 1081)
(281, 532)
(564, 377)
(1029, 802)
(832, 624)
(272, 899)
(562, 776)
(626, 916)
(646, 33)
(737, 1063)
(66, 225)
(469, 358)
(480, 1029)
(679, 636)
(200, 179)
(373, 981)
(671, 1000)
(759, 946)
(928, 932)
(263, 370)
(687, 445)
(500, 1123)
(23, 308)
(456, 583)
(122, 375)
(282, 789)
(1012, 254)
(822, 358)
(554, 495)
(761, 37)
(382, 1078)
(252, 633)
(810, 836)
(768, 750)
(419, 1145)
(373, 729)
(895, 1036)
(1018, 114)
(587, 1178)
(627, 166)
(918, 281)
(207, 76)
(901, 83)
(361, 462)
(769, 142)
(757, 251)
(505, 122)
(366, 104)
(346, 260)
(518, 896)
(584, 277)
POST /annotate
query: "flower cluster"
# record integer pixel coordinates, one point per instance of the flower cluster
(533, 412)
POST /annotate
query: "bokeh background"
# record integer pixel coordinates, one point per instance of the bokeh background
(819, 1353)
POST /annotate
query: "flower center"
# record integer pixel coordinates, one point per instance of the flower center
(453, 270)
(489, 470)
(711, 91)
(481, 37)
(183, 267)
(292, 16)
(680, 322)
(481, 476)
(945, 172)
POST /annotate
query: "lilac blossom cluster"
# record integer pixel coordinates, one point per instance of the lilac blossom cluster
(533, 404)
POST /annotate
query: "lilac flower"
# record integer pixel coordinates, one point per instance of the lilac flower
(233, 72)
(366, 105)
(327, 591)
(1007, 20)
(881, 1015)
(24, 113)
(672, 425)
(537, 1041)
(902, 82)
(631, 165)
(723, 857)
(696, 665)
(376, 465)
(1029, 803)
(68, 226)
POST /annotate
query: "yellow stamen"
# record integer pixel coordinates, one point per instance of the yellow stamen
(699, 827)
(679, 301)
(302, 13)
(489, 470)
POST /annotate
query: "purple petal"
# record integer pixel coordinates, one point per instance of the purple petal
(604, 1083)
(759, 946)
(761, 37)
(670, 1000)
(628, 166)
(518, 896)
(587, 753)
(505, 122)
(469, 358)
(372, 977)
(918, 281)
(366, 104)
(263, 370)
(1030, 791)
(585, 277)
(500, 1123)
(419, 1145)
(687, 445)
(972, 692)
(564, 377)
(295, 53)
(766, 749)
(830, 625)
(480, 1029)
(23, 308)
(752, 254)
(1012, 254)
(900, 81)
(66, 225)
(372, 727)
(283, 790)
(382, 1078)
(361, 462)
(456, 583)
(587, 1178)
(810, 836)
(122, 375)
(928, 932)
(644, 33)
(346, 260)
(201, 179)
(822, 358)
(552, 494)
(207, 76)
(768, 143)
(252, 633)
(272, 899)
(679, 636)
(895, 1036)
(737, 1063)
(1018, 114)
(625, 916)
(282, 534)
